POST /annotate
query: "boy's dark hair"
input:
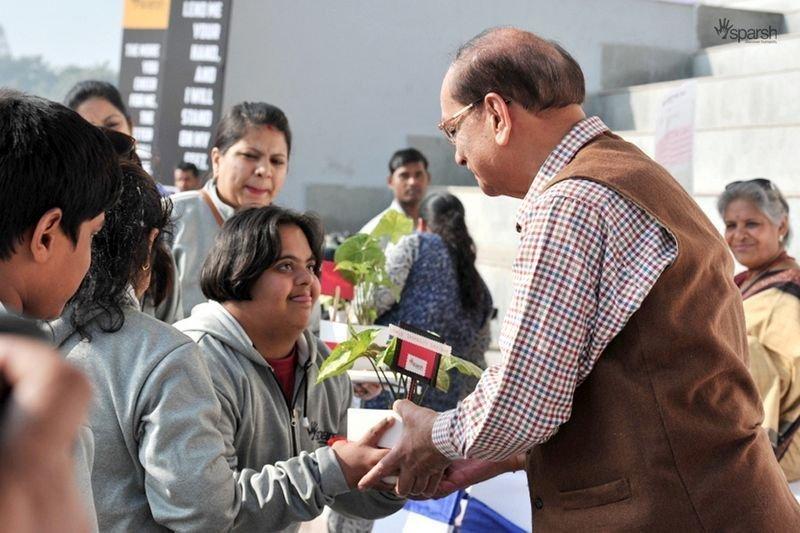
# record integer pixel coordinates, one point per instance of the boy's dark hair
(235, 123)
(50, 157)
(189, 167)
(120, 252)
(84, 90)
(406, 156)
(247, 245)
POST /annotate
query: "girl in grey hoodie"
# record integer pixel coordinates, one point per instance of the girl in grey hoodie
(261, 278)
(159, 460)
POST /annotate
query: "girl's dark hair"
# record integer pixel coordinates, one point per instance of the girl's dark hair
(245, 115)
(247, 245)
(443, 213)
(121, 253)
(84, 90)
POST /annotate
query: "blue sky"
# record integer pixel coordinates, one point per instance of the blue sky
(64, 32)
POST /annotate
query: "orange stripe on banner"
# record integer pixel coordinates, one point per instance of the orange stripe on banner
(146, 15)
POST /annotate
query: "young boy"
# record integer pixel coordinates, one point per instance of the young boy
(58, 174)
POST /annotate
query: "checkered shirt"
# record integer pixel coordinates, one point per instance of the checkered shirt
(587, 259)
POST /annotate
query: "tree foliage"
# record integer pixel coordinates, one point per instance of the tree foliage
(32, 75)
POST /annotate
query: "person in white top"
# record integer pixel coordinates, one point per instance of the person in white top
(408, 179)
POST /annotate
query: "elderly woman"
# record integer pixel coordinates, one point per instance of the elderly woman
(757, 230)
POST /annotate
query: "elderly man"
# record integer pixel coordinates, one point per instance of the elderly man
(624, 373)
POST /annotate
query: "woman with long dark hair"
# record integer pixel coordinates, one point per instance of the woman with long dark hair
(100, 104)
(442, 290)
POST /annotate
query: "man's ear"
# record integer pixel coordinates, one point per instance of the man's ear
(389, 180)
(498, 113)
(44, 234)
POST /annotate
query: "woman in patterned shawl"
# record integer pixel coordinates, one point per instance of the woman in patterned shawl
(757, 230)
(442, 291)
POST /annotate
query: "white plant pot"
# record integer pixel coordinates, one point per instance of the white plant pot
(360, 421)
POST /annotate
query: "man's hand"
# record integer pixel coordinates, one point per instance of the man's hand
(419, 463)
(357, 458)
(466, 472)
(48, 401)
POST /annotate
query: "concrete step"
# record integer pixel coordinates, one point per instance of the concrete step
(778, 6)
(728, 154)
(748, 58)
(722, 101)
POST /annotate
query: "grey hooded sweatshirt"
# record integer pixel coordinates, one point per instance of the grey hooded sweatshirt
(195, 229)
(160, 460)
(261, 427)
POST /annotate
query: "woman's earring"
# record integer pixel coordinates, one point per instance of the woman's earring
(146, 267)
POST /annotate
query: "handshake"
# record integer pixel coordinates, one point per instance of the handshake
(422, 471)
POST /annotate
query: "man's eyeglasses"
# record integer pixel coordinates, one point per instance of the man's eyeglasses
(449, 127)
(764, 183)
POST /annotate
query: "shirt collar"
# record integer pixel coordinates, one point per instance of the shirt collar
(395, 205)
(224, 209)
(577, 137)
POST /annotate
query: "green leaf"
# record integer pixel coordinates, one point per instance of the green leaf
(342, 358)
(442, 380)
(461, 365)
(359, 258)
(394, 225)
(387, 356)
(360, 248)
(449, 362)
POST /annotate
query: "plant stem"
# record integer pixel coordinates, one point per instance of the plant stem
(379, 372)
(425, 390)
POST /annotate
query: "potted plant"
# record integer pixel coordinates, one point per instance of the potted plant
(365, 350)
(359, 269)
(395, 369)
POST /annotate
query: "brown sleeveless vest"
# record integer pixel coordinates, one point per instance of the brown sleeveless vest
(665, 431)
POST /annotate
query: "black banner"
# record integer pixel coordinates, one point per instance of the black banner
(175, 93)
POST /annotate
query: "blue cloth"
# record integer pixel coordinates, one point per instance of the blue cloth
(442, 510)
(431, 301)
(479, 518)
